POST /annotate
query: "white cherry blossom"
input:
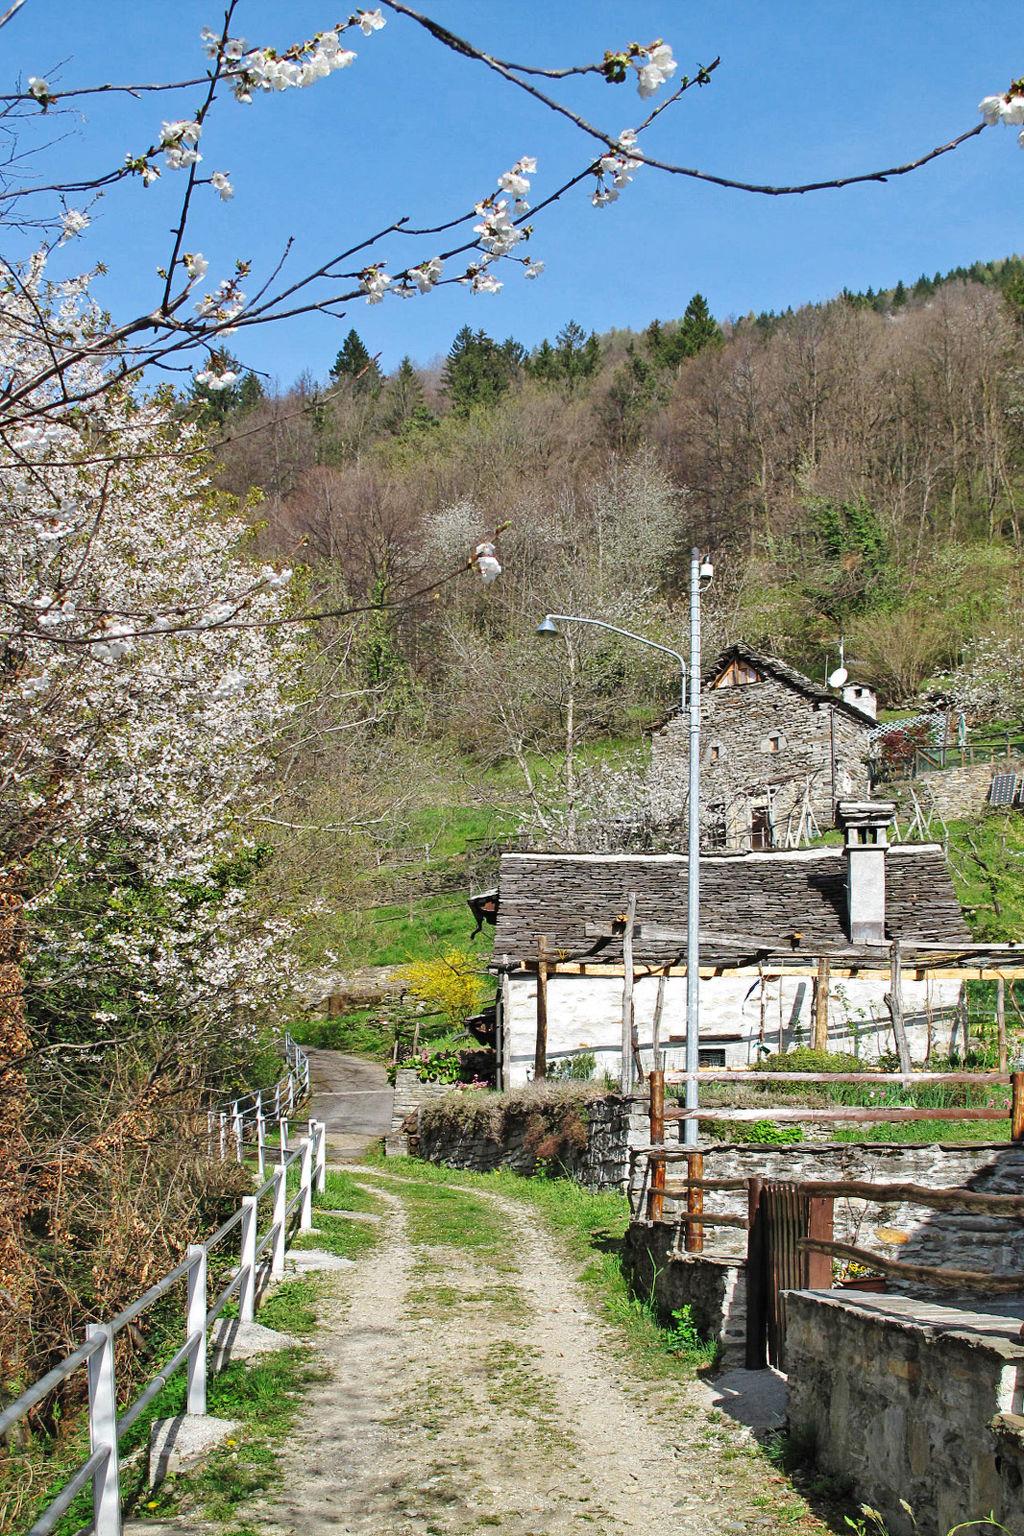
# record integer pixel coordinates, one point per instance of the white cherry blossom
(221, 184)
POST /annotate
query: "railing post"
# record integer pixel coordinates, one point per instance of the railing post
(106, 1482)
(280, 1199)
(656, 1193)
(694, 1201)
(757, 1300)
(261, 1139)
(1017, 1109)
(818, 1266)
(195, 1322)
(306, 1185)
(277, 1102)
(209, 1133)
(282, 1128)
(223, 1135)
(247, 1262)
(236, 1119)
(321, 1156)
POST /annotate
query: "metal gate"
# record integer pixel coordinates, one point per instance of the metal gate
(781, 1216)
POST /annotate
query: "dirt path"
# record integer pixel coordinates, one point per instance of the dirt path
(470, 1388)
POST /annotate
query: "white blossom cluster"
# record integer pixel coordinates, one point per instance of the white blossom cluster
(134, 726)
(988, 684)
(1008, 108)
(654, 65)
(264, 69)
(616, 169)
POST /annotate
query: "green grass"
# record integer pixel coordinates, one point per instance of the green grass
(342, 1193)
(919, 1132)
(333, 1234)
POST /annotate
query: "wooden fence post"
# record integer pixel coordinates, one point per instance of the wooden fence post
(818, 1266)
(540, 1053)
(626, 1068)
(821, 989)
(1001, 1023)
(694, 1201)
(1017, 1110)
(656, 1192)
(894, 1002)
(757, 1299)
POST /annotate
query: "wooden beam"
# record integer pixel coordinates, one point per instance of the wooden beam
(894, 1002)
(841, 1113)
(867, 1078)
(779, 968)
(952, 1279)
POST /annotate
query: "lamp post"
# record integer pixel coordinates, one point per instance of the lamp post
(699, 571)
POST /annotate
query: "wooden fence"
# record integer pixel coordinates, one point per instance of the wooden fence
(791, 1243)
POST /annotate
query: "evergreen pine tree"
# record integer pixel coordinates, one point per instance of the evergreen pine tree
(478, 371)
(354, 362)
(699, 329)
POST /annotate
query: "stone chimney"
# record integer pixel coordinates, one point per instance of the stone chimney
(865, 823)
(864, 699)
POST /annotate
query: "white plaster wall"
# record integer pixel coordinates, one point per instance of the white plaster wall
(585, 1014)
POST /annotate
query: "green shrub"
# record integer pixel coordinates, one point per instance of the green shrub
(805, 1059)
(577, 1068)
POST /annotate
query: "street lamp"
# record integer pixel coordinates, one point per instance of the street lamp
(700, 571)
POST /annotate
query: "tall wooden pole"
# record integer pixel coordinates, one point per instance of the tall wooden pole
(1001, 1022)
(626, 1070)
(821, 988)
(540, 1055)
(1017, 1108)
(894, 1003)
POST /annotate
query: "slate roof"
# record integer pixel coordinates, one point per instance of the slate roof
(769, 896)
(788, 675)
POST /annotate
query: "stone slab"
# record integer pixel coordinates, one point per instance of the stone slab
(757, 1399)
(302, 1261)
(234, 1340)
(181, 1442)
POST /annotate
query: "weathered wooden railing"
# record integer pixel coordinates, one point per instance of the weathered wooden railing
(659, 1154)
(790, 1226)
(258, 1256)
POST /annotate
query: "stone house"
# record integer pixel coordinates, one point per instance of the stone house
(777, 753)
(765, 917)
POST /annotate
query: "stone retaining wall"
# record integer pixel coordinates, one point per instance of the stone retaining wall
(613, 1125)
(911, 1403)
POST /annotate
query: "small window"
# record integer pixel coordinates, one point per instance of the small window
(711, 1058)
(738, 674)
(774, 743)
(716, 753)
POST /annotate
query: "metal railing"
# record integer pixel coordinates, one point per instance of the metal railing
(108, 1424)
(253, 1113)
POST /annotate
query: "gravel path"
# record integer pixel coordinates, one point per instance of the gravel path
(352, 1097)
(469, 1392)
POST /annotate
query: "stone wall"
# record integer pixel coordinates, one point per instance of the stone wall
(739, 728)
(501, 1131)
(912, 1403)
(958, 792)
(713, 1287)
(410, 1094)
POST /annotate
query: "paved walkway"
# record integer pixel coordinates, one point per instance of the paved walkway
(352, 1097)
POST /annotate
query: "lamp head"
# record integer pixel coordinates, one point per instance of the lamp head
(707, 570)
(547, 626)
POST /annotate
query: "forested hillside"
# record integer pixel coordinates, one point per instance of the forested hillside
(856, 468)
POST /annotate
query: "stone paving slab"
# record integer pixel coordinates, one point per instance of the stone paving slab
(181, 1442)
(301, 1261)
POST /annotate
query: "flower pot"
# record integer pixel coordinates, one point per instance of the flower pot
(875, 1283)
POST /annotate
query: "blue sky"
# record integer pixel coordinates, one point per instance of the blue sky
(806, 89)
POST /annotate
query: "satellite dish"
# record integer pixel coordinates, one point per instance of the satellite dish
(837, 678)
